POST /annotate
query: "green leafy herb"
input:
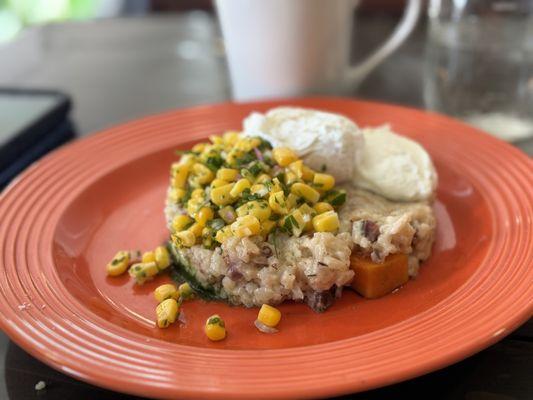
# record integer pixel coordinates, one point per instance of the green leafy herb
(335, 197)
(245, 159)
(274, 217)
(290, 222)
(117, 260)
(264, 145)
(214, 162)
(215, 321)
(255, 169)
(247, 195)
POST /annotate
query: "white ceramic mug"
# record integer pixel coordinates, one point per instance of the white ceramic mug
(284, 48)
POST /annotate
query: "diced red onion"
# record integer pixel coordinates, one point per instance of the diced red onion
(264, 328)
(258, 154)
(181, 317)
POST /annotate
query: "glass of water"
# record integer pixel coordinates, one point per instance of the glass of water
(479, 64)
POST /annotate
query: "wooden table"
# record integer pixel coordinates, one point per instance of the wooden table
(120, 69)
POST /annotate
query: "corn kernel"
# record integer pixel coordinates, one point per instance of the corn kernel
(231, 137)
(215, 139)
(193, 206)
(239, 187)
(307, 173)
(187, 159)
(205, 214)
(292, 201)
(185, 291)
(223, 234)
(268, 315)
(204, 174)
(218, 182)
(326, 222)
(175, 194)
(196, 229)
(260, 189)
(246, 144)
(267, 226)
(284, 156)
(166, 291)
(180, 222)
(324, 182)
(119, 264)
(181, 174)
(232, 156)
(322, 207)
(302, 171)
(278, 203)
(162, 258)
(221, 195)
(143, 272)
(290, 178)
(198, 194)
(246, 226)
(198, 148)
(167, 312)
(305, 191)
(276, 186)
(258, 209)
(262, 178)
(215, 329)
(294, 223)
(148, 256)
(184, 238)
(228, 214)
(227, 174)
(308, 213)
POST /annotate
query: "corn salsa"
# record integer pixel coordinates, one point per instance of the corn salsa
(237, 186)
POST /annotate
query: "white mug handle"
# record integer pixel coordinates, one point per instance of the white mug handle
(357, 73)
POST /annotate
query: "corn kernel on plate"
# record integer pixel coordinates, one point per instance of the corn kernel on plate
(75, 225)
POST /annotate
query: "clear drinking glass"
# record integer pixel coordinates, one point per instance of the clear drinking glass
(479, 64)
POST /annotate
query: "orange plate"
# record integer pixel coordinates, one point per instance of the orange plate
(64, 218)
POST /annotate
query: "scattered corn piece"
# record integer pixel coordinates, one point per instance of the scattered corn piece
(148, 256)
(268, 315)
(167, 312)
(162, 258)
(119, 264)
(143, 272)
(215, 329)
(185, 291)
(166, 291)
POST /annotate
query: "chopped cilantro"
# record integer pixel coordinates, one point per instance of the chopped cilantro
(247, 195)
(214, 162)
(245, 159)
(255, 169)
(117, 260)
(264, 145)
(335, 197)
(290, 222)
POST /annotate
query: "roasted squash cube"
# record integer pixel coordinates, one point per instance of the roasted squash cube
(373, 280)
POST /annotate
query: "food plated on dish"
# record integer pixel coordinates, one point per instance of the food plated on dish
(64, 219)
(298, 205)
